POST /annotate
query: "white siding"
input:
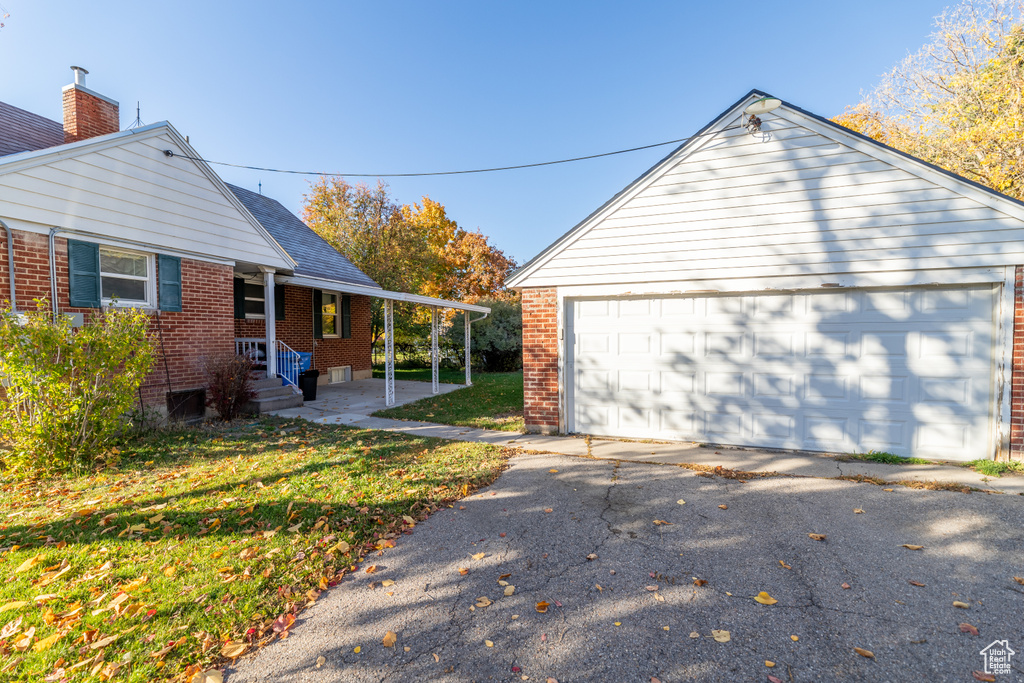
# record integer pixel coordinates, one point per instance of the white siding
(798, 203)
(132, 191)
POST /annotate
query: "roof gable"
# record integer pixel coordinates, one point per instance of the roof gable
(313, 255)
(805, 197)
(123, 186)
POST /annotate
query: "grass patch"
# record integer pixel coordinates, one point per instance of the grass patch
(206, 542)
(495, 401)
(991, 468)
(444, 375)
(886, 458)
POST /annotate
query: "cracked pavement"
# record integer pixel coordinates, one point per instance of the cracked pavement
(973, 547)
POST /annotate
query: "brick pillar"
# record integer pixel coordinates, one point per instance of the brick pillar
(1017, 382)
(540, 359)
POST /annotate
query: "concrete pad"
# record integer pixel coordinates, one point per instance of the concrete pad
(366, 396)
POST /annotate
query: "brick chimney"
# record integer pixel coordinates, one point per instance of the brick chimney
(87, 113)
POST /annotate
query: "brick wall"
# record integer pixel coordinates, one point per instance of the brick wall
(87, 116)
(203, 327)
(1017, 383)
(540, 359)
(296, 330)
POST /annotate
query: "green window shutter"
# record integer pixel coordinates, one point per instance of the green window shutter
(84, 274)
(278, 301)
(240, 298)
(346, 316)
(169, 271)
(318, 314)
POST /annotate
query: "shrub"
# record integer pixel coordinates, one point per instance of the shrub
(66, 392)
(497, 340)
(230, 380)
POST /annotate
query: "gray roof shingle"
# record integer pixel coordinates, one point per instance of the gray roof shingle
(315, 257)
(23, 131)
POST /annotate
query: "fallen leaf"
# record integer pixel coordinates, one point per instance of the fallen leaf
(357, 649)
(463, 571)
(784, 565)
(406, 648)
(503, 577)
(769, 663)
(967, 628)
(231, 650)
(681, 502)
(542, 607)
(170, 571)
(483, 601)
(794, 638)
(659, 597)
(618, 623)
(320, 661)
(666, 628)
(387, 582)
(864, 653)
(699, 582)
(982, 676)
(846, 586)
(723, 507)
(283, 623)
(553, 471)
(592, 556)
(211, 676)
(916, 583)
(436, 658)
(1019, 579)
(694, 634)
(774, 679)
(858, 511)
(659, 522)
(961, 605)
(371, 569)
(17, 604)
(817, 537)
(889, 490)
(912, 547)
(479, 556)
(765, 599)
(47, 642)
(652, 588)
(390, 638)
(509, 590)
(28, 564)
(488, 643)
(549, 509)
(720, 635)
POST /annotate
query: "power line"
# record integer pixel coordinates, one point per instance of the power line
(171, 153)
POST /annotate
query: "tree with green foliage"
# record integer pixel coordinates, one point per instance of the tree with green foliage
(497, 340)
(65, 393)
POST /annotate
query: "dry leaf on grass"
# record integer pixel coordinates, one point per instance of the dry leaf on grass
(864, 653)
(231, 650)
(967, 628)
(390, 638)
(721, 636)
(211, 676)
(765, 599)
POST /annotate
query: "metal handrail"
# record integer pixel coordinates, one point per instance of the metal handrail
(288, 363)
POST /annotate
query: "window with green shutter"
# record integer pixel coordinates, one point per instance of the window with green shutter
(84, 274)
(169, 272)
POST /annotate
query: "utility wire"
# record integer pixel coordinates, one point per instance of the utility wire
(171, 153)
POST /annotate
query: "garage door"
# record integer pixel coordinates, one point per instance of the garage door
(906, 372)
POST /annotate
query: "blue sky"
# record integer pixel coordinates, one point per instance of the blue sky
(391, 86)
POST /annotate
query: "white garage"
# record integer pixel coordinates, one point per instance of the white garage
(906, 371)
(785, 284)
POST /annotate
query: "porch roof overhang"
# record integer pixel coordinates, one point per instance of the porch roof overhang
(348, 288)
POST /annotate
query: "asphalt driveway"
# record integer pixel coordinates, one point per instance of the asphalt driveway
(634, 612)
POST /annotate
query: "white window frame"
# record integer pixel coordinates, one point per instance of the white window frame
(337, 315)
(150, 278)
(262, 299)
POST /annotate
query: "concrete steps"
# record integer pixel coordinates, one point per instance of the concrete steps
(272, 395)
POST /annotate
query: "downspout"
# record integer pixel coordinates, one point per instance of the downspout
(10, 264)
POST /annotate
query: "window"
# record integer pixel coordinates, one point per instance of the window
(329, 313)
(126, 276)
(254, 301)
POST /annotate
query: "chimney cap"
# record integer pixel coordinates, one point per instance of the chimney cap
(80, 73)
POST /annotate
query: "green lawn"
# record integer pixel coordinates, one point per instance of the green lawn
(206, 542)
(495, 401)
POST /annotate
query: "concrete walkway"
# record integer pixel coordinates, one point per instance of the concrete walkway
(353, 405)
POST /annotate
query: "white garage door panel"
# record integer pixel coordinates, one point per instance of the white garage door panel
(908, 371)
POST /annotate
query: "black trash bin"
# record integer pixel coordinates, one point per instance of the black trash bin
(307, 383)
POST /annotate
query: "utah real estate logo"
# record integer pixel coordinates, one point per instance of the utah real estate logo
(997, 657)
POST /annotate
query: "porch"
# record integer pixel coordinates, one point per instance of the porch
(349, 402)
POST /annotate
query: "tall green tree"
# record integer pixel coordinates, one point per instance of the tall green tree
(959, 101)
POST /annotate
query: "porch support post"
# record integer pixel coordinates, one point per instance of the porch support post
(270, 319)
(389, 353)
(469, 373)
(433, 349)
